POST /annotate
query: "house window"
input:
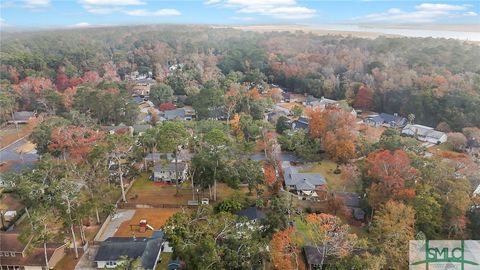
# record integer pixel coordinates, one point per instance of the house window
(111, 263)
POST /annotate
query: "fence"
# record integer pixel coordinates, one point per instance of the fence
(130, 205)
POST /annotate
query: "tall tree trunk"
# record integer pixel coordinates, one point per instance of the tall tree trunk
(177, 184)
(97, 215)
(74, 241)
(82, 233)
(215, 182)
(45, 252)
(124, 199)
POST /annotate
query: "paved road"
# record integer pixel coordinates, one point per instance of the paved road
(9, 153)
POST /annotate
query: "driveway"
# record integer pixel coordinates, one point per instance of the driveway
(121, 216)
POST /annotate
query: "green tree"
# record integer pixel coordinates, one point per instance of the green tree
(41, 134)
(161, 93)
(209, 103)
(171, 136)
(282, 124)
(391, 231)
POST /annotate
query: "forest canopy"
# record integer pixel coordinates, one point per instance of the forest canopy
(437, 80)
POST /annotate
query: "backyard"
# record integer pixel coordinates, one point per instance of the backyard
(334, 181)
(145, 191)
(156, 217)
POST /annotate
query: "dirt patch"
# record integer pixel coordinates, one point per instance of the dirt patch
(25, 148)
(156, 217)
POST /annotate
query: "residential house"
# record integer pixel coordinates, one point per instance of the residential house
(120, 129)
(303, 184)
(22, 117)
(167, 173)
(314, 256)
(301, 123)
(425, 134)
(113, 249)
(352, 201)
(142, 89)
(320, 102)
(178, 114)
(252, 214)
(140, 129)
(386, 120)
(273, 116)
(15, 254)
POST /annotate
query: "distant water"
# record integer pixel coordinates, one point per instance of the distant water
(471, 36)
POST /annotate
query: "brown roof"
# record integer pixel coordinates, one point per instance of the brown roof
(35, 257)
(9, 242)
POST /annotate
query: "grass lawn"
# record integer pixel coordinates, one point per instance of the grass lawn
(165, 259)
(441, 147)
(145, 191)
(334, 181)
(156, 217)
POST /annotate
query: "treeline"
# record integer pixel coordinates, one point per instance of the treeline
(437, 80)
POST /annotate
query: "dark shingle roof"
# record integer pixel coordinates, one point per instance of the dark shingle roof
(251, 213)
(23, 115)
(313, 254)
(140, 247)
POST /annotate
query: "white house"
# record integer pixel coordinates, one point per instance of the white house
(166, 172)
(425, 134)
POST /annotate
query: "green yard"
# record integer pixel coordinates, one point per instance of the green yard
(165, 259)
(334, 181)
(145, 191)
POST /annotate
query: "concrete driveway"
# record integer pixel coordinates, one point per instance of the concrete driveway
(121, 216)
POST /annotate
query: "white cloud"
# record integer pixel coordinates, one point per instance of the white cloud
(470, 14)
(423, 13)
(108, 6)
(80, 25)
(437, 7)
(154, 13)
(211, 2)
(35, 4)
(113, 2)
(101, 9)
(281, 9)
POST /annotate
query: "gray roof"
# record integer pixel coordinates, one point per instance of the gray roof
(351, 199)
(251, 213)
(141, 128)
(302, 181)
(423, 131)
(23, 115)
(390, 119)
(313, 254)
(147, 249)
(178, 113)
(169, 167)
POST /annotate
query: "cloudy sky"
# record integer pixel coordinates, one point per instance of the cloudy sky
(84, 13)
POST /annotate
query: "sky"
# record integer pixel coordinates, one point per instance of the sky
(87, 13)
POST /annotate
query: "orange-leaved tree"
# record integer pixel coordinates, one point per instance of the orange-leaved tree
(390, 172)
(284, 251)
(330, 236)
